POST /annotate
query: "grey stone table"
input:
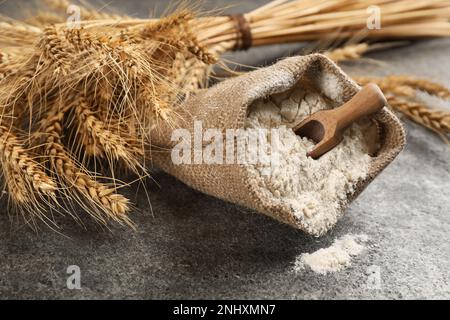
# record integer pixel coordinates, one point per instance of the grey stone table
(189, 245)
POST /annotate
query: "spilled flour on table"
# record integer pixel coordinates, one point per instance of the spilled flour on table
(313, 190)
(334, 258)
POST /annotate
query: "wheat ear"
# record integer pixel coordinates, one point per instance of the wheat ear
(172, 21)
(401, 93)
(388, 86)
(348, 52)
(425, 85)
(56, 51)
(104, 198)
(434, 119)
(178, 22)
(100, 141)
(30, 191)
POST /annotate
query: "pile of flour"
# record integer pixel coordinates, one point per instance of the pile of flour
(314, 190)
(334, 258)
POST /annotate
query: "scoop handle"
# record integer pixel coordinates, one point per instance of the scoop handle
(369, 100)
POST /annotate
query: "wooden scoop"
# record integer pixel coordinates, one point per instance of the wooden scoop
(326, 127)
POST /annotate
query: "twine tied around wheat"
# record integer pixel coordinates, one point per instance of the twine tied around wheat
(244, 40)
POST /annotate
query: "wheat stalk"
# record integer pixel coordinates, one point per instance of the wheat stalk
(293, 21)
(13, 34)
(86, 13)
(43, 19)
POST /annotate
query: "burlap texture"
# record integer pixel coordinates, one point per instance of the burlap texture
(225, 106)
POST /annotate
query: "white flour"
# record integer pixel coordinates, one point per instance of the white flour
(334, 258)
(313, 189)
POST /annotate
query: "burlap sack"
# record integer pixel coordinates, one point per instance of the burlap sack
(225, 106)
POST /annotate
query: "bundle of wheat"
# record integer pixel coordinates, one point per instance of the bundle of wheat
(91, 97)
(84, 99)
